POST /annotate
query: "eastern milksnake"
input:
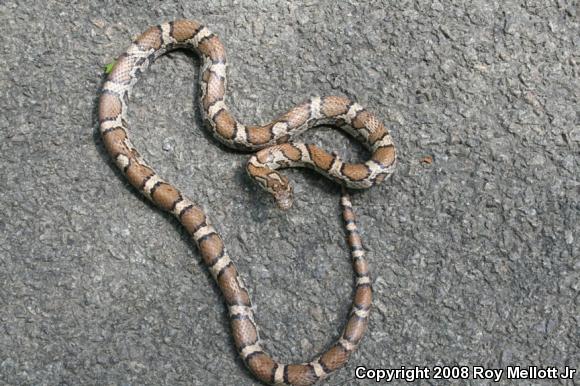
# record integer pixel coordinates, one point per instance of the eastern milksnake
(275, 152)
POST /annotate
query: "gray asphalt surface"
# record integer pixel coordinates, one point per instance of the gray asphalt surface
(474, 255)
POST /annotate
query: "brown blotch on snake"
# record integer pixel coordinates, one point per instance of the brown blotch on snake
(165, 195)
(384, 155)
(183, 30)
(297, 116)
(109, 106)
(320, 157)
(262, 167)
(225, 124)
(355, 172)
(335, 105)
(150, 39)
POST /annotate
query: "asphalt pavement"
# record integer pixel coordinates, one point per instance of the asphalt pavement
(473, 243)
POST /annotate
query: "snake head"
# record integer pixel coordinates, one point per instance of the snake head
(282, 192)
(284, 199)
(270, 180)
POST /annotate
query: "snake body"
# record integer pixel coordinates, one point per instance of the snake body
(274, 152)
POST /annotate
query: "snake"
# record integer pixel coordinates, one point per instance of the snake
(273, 148)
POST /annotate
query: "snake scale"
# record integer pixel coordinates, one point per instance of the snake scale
(274, 151)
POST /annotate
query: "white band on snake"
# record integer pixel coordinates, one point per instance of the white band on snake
(275, 152)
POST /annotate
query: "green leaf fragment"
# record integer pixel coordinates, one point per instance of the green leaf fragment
(109, 67)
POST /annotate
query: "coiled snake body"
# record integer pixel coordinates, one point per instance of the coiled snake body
(275, 152)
